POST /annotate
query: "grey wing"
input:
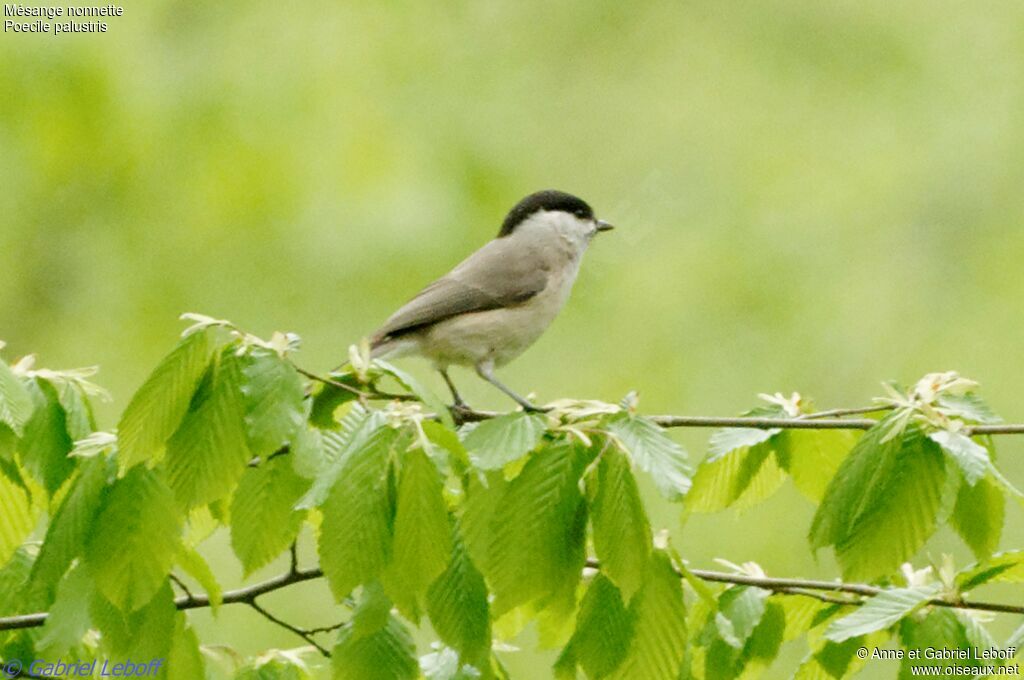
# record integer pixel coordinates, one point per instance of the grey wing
(487, 279)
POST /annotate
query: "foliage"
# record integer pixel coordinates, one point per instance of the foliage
(477, 529)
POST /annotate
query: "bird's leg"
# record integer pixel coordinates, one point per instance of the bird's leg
(459, 402)
(485, 370)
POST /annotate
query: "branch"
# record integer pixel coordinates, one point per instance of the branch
(782, 586)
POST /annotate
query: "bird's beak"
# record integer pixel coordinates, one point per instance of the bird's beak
(603, 226)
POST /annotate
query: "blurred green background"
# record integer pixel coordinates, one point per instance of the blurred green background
(810, 196)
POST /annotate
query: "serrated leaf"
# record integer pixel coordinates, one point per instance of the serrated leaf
(79, 419)
(536, 546)
(141, 634)
(185, 660)
(1006, 567)
(938, 629)
(15, 401)
(327, 398)
(881, 506)
(655, 453)
(207, 454)
(68, 619)
(978, 516)
(272, 395)
(16, 517)
(763, 645)
(358, 431)
(750, 474)
(444, 664)
(622, 533)
(458, 607)
(837, 659)
(356, 532)
(134, 540)
(969, 455)
(729, 439)
(812, 457)
(196, 567)
(968, 407)
(387, 654)
(483, 500)
(604, 630)
(69, 529)
(659, 626)
(272, 665)
(422, 534)
(263, 521)
(496, 442)
(46, 444)
(156, 409)
(880, 612)
(743, 608)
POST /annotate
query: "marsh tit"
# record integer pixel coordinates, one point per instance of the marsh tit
(499, 300)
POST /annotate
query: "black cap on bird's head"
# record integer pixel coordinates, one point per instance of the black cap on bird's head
(549, 200)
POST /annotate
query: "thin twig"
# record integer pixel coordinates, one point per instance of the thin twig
(180, 584)
(838, 412)
(376, 394)
(302, 633)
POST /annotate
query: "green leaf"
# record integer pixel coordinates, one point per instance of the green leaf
(66, 536)
(157, 408)
(653, 452)
(537, 535)
(46, 444)
(207, 454)
(496, 442)
(458, 607)
(1007, 567)
(68, 618)
(134, 540)
(272, 665)
(185, 660)
(196, 567)
(78, 411)
(812, 457)
(444, 664)
(359, 430)
(939, 629)
(327, 398)
(16, 517)
(355, 535)
(272, 395)
(969, 455)
(743, 608)
(483, 501)
(387, 654)
(968, 407)
(15, 401)
(604, 630)
(837, 659)
(142, 634)
(730, 439)
(880, 612)
(743, 476)
(763, 645)
(978, 516)
(263, 522)
(622, 533)
(422, 535)
(659, 626)
(881, 506)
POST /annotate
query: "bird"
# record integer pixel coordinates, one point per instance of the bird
(497, 302)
